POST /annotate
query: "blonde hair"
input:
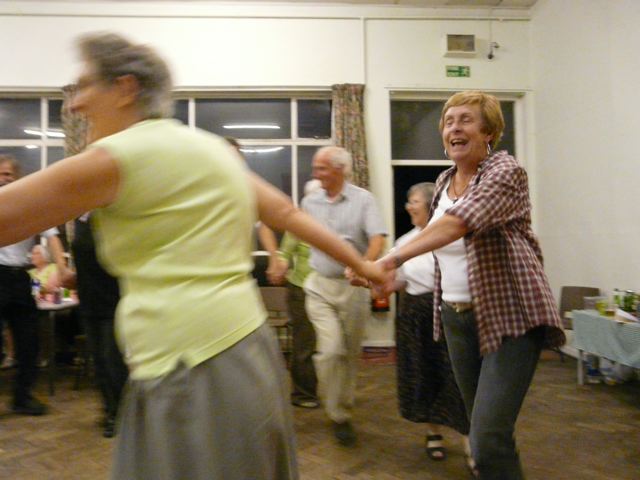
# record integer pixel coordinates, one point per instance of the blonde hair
(492, 119)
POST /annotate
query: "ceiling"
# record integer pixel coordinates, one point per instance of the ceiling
(404, 3)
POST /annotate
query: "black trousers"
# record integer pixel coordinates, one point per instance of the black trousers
(18, 309)
(111, 372)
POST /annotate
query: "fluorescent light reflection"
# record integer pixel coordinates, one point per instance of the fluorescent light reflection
(50, 133)
(244, 126)
(260, 150)
(31, 147)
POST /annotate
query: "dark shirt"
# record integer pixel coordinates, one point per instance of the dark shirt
(98, 291)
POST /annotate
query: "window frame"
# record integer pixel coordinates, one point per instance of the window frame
(43, 142)
(294, 141)
(517, 97)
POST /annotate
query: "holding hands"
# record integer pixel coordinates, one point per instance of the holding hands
(379, 276)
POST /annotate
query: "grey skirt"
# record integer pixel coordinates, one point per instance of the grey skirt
(228, 418)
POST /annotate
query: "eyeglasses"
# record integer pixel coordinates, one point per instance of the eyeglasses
(413, 203)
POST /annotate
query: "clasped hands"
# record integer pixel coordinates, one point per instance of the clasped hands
(379, 276)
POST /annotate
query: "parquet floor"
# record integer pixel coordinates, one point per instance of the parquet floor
(565, 432)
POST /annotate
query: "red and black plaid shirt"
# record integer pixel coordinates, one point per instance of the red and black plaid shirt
(509, 288)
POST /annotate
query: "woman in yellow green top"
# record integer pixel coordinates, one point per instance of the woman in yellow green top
(174, 210)
(44, 272)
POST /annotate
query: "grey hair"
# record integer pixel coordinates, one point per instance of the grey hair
(339, 157)
(44, 251)
(114, 56)
(426, 188)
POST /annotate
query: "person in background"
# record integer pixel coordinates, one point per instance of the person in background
(295, 253)
(45, 272)
(17, 305)
(491, 296)
(6, 339)
(338, 310)
(427, 390)
(99, 294)
(173, 210)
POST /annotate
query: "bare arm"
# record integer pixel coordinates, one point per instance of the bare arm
(445, 230)
(57, 252)
(56, 194)
(276, 210)
(376, 245)
(270, 244)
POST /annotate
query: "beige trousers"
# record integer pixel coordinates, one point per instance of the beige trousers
(337, 311)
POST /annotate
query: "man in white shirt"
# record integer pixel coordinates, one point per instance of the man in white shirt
(18, 307)
(336, 308)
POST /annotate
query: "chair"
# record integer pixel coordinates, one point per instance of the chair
(275, 301)
(572, 298)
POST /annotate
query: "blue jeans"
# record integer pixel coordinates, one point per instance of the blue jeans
(493, 388)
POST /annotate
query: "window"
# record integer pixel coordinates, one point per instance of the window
(415, 134)
(31, 131)
(278, 135)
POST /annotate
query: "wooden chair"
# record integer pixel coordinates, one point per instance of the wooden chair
(275, 301)
(572, 298)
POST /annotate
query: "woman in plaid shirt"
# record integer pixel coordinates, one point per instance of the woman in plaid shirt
(491, 295)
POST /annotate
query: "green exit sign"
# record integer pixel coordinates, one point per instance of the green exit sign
(458, 71)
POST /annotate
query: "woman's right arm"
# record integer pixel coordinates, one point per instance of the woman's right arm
(276, 210)
(56, 194)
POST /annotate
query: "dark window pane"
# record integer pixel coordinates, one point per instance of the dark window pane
(414, 130)
(415, 135)
(54, 154)
(271, 162)
(403, 179)
(305, 156)
(28, 158)
(16, 116)
(314, 118)
(245, 118)
(508, 141)
(55, 118)
(181, 111)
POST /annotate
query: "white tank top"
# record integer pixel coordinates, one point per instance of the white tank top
(452, 259)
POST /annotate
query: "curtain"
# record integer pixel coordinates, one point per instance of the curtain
(75, 130)
(348, 119)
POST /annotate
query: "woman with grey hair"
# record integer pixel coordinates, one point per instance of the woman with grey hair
(173, 210)
(427, 391)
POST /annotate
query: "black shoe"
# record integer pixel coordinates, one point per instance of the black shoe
(344, 433)
(109, 428)
(29, 406)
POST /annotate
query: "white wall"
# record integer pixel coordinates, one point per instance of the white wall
(213, 46)
(585, 66)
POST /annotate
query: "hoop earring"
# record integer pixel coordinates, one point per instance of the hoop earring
(446, 154)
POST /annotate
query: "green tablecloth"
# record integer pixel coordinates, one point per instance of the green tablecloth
(607, 338)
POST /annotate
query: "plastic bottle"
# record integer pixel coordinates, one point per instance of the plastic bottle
(35, 288)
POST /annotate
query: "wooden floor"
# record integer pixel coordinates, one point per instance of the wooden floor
(564, 432)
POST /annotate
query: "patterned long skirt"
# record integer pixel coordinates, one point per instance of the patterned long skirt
(427, 389)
